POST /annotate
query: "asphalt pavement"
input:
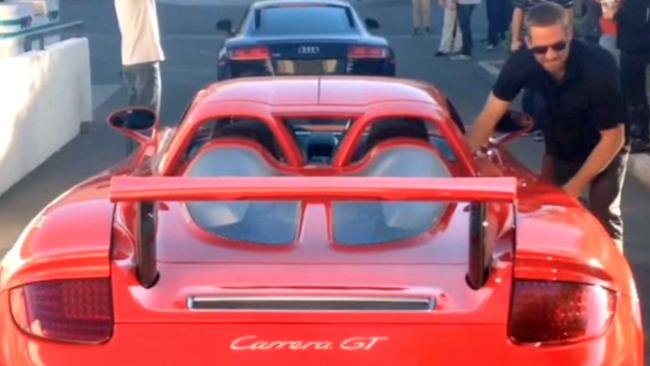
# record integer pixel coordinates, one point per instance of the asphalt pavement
(191, 43)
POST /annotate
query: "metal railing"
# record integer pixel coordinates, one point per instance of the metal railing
(35, 38)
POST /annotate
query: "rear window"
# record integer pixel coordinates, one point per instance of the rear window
(354, 223)
(304, 20)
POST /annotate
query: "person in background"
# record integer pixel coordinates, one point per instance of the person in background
(141, 51)
(633, 20)
(591, 14)
(607, 39)
(499, 13)
(421, 16)
(465, 8)
(585, 134)
(451, 38)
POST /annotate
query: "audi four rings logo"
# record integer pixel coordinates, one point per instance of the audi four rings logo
(308, 50)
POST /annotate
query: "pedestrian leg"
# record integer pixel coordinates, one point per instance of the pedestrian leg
(457, 34)
(148, 85)
(633, 83)
(464, 18)
(129, 75)
(417, 10)
(605, 197)
(493, 31)
(447, 32)
(426, 15)
(129, 78)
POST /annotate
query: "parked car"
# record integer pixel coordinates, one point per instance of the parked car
(297, 37)
(319, 220)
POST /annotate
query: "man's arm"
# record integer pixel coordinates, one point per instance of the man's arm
(484, 124)
(517, 21)
(611, 142)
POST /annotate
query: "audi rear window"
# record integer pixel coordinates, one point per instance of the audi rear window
(292, 20)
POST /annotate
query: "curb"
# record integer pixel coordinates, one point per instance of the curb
(638, 164)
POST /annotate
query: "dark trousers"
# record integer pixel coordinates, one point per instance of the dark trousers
(590, 26)
(143, 84)
(465, 22)
(633, 79)
(604, 191)
(143, 87)
(499, 13)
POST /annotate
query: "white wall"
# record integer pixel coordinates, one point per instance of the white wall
(44, 97)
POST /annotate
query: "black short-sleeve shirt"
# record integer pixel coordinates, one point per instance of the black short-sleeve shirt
(578, 107)
(527, 4)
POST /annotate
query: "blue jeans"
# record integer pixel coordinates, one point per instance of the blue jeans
(143, 84)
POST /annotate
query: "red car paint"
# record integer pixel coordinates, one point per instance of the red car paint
(536, 232)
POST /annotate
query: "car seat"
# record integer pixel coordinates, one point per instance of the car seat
(238, 151)
(358, 223)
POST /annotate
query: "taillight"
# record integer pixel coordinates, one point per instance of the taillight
(367, 52)
(547, 312)
(65, 310)
(250, 54)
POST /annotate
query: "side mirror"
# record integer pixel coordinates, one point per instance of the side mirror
(512, 125)
(371, 23)
(225, 25)
(133, 121)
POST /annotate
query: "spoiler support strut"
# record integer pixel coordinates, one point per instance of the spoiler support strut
(146, 270)
(479, 251)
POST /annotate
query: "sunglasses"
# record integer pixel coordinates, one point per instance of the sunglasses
(557, 47)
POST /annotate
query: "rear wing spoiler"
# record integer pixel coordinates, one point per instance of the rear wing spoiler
(144, 191)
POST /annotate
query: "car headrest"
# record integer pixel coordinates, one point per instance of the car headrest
(362, 223)
(214, 160)
(261, 222)
(253, 130)
(395, 128)
(405, 161)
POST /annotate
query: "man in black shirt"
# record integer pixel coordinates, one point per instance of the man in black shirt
(521, 7)
(530, 101)
(585, 133)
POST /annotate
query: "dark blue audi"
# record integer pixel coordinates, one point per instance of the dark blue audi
(299, 37)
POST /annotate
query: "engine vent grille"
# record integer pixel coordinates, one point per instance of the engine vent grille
(327, 303)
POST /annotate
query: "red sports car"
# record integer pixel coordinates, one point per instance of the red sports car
(315, 221)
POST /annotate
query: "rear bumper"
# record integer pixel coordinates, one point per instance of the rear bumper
(315, 344)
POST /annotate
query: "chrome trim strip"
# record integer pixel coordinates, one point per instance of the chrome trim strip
(309, 303)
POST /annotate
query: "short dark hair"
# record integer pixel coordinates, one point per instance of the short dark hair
(544, 14)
